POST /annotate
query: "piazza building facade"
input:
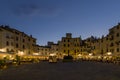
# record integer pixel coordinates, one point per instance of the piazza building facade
(15, 41)
(108, 43)
(97, 46)
(69, 45)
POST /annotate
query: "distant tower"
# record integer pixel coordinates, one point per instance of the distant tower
(69, 35)
(69, 45)
(50, 43)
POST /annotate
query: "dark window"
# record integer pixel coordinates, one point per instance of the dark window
(75, 45)
(17, 33)
(111, 44)
(106, 38)
(17, 45)
(64, 51)
(7, 36)
(68, 40)
(16, 38)
(112, 38)
(23, 46)
(117, 49)
(117, 34)
(75, 51)
(81, 50)
(64, 45)
(7, 43)
(23, 40)
(68, 45)
(117, 43)
(102, 51)
(33, 45)
(29, 39)
(106, 50)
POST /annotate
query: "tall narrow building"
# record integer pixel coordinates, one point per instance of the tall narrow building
(69, 45)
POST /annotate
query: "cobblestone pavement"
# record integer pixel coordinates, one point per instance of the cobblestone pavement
(62, 71)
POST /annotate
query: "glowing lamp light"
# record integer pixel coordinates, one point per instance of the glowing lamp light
(4, 56)
(35, 53)
(21, 53)
(109, 53)
(2, 50)
(52, 54)
(90, 54)
(79, 55)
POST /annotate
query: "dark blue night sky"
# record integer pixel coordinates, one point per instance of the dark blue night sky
(49, 20)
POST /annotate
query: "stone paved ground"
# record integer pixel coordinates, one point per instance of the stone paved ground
(62, 71)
